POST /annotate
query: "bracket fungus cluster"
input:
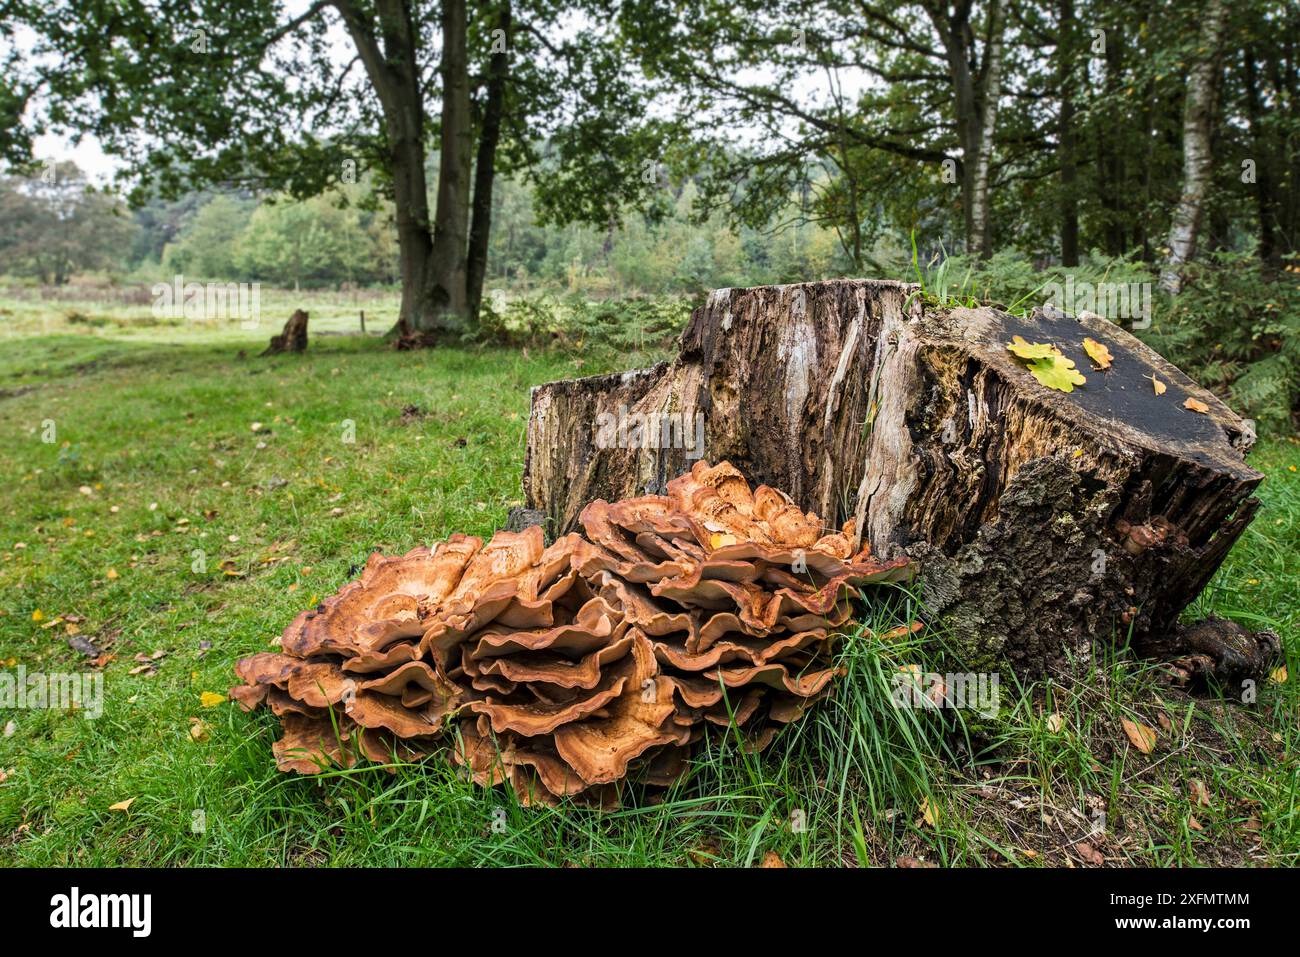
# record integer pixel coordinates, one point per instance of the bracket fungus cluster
(565, 670)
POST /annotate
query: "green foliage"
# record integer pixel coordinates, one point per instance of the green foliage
(1235, 330)
(310, 243)
(206, 247)
(54, 224)
(625, 329)
(672, 252)
(858, 109)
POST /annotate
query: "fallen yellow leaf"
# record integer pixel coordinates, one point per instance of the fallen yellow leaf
(1196, 405)
(1279, 676)
(1032, 350)
(38, 615)
(929, 813)
(1098, 353)
(122, 805)
(210, 699)
(111, 575)
(1157, 385)
(1142, 737)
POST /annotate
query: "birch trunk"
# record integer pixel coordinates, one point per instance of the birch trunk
(991, 89)
(1198, 121)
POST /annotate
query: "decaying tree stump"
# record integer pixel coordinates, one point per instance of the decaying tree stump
(293, 338)
(1045, 522)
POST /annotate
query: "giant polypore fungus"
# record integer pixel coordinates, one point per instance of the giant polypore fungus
(563, 670)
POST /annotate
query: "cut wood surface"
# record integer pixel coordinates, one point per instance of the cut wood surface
(1044, 521)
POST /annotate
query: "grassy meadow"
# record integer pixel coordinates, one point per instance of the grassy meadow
(171, 501)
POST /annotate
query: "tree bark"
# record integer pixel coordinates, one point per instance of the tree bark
(392, 69)
(485, 165)
(1265, 199)
(1047, 524)
(448, 291)
(1198, 123)
(990, 91)
(1065, 54)
(975, 104)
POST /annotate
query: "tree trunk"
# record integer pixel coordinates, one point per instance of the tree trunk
(414, 241)
(485, 165)
(975, 104)
(1046, 524)
(392, 71)
(1198, 121)
(990, 91)
(1065, 49)
(1265, 201)
(448, 291)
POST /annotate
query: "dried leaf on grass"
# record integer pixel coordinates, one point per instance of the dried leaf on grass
(1140, 735)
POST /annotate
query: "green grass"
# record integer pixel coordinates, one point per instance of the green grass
(156, 470)
(126, 312)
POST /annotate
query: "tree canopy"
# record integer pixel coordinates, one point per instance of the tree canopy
(246, 93)
(55, 223)
(1146, 129)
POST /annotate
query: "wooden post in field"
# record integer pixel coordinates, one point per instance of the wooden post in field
(363, 322)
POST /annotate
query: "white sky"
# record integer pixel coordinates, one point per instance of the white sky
(93, 161)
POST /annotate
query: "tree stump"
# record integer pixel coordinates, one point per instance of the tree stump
(293, 338)
(1045, 523)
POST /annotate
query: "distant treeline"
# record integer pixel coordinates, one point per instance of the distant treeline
(59, 226)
